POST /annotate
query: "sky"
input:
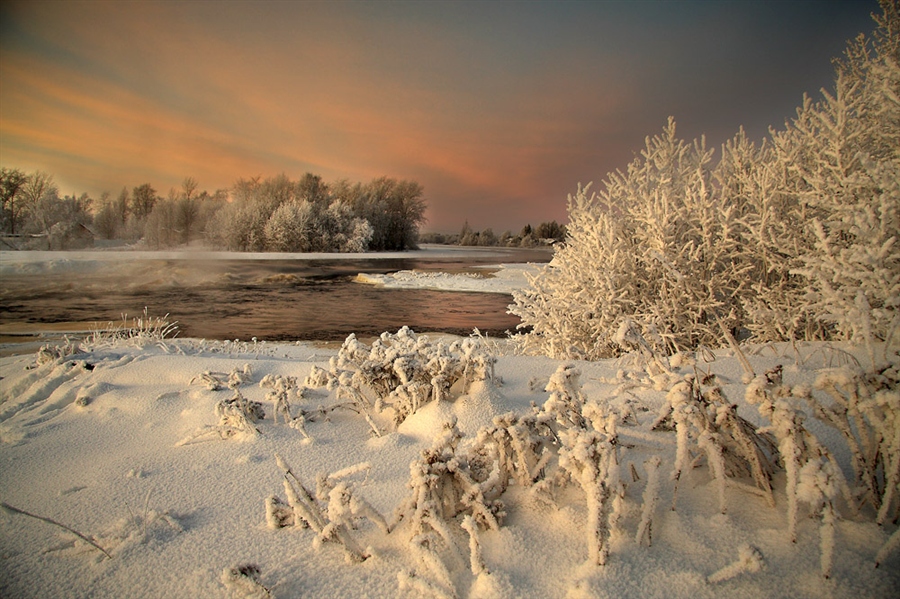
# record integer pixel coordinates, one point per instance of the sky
(499, 109)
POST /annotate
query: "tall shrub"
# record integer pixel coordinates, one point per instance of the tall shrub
(798, 237)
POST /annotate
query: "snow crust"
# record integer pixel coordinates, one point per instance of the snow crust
(92, 441)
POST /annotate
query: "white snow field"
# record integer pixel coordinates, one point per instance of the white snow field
(168, 481)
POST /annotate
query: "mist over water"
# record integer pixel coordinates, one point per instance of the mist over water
(271, 299)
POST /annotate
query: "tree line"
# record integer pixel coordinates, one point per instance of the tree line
(274, 214)
(31, 205)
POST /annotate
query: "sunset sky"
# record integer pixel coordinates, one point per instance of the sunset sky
(499, 109)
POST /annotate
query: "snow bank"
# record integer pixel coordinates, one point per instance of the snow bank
(91, 441)
(501, 278)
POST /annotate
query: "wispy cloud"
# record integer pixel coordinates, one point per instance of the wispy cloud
(499, 109)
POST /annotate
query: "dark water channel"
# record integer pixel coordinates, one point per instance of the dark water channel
(272, 299)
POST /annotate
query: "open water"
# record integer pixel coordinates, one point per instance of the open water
(272, 299)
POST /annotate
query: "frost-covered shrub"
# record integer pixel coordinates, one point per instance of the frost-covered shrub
(865, 408)
(591, 459)
(49, 354)
(819, 486)
(770, 228)
(657, 244)
(798, 237)
(237, 415)
(842, 156)
(215, 381)
(650, 501)
(708, 425)
(813, 474)
(567, 440)
(282, 387)
(236, 418)
(443, 487)
(401, 372)
(331, 512)
(513, 447)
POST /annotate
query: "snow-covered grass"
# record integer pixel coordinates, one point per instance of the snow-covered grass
(90, 440)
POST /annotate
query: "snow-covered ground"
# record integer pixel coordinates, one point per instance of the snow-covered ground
(96, 441)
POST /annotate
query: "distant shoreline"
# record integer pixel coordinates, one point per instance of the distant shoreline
(427, 252)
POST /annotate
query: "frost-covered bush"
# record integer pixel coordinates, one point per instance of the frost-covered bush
(282, 387)
(443, 486)
(445, 490)
(657, 245)
(708, 425)
(865, 408)
(401, 372)
(842, 161)
(591, 459)
(798, 237)
(813, 475)
(331, 512)
(237, 415)
(514, 447)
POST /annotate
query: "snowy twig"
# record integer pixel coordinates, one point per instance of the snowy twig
(16, 510)
(749, 560)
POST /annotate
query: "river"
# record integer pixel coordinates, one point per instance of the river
(234, 296)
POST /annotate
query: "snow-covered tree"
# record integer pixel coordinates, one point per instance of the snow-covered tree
(290, 227)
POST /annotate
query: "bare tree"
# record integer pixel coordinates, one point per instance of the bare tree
(37, 193)
(11, 182)
(143, 198)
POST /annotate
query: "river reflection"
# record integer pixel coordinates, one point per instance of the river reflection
(268, 299)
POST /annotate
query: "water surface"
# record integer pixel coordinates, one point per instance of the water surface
(270, 299)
